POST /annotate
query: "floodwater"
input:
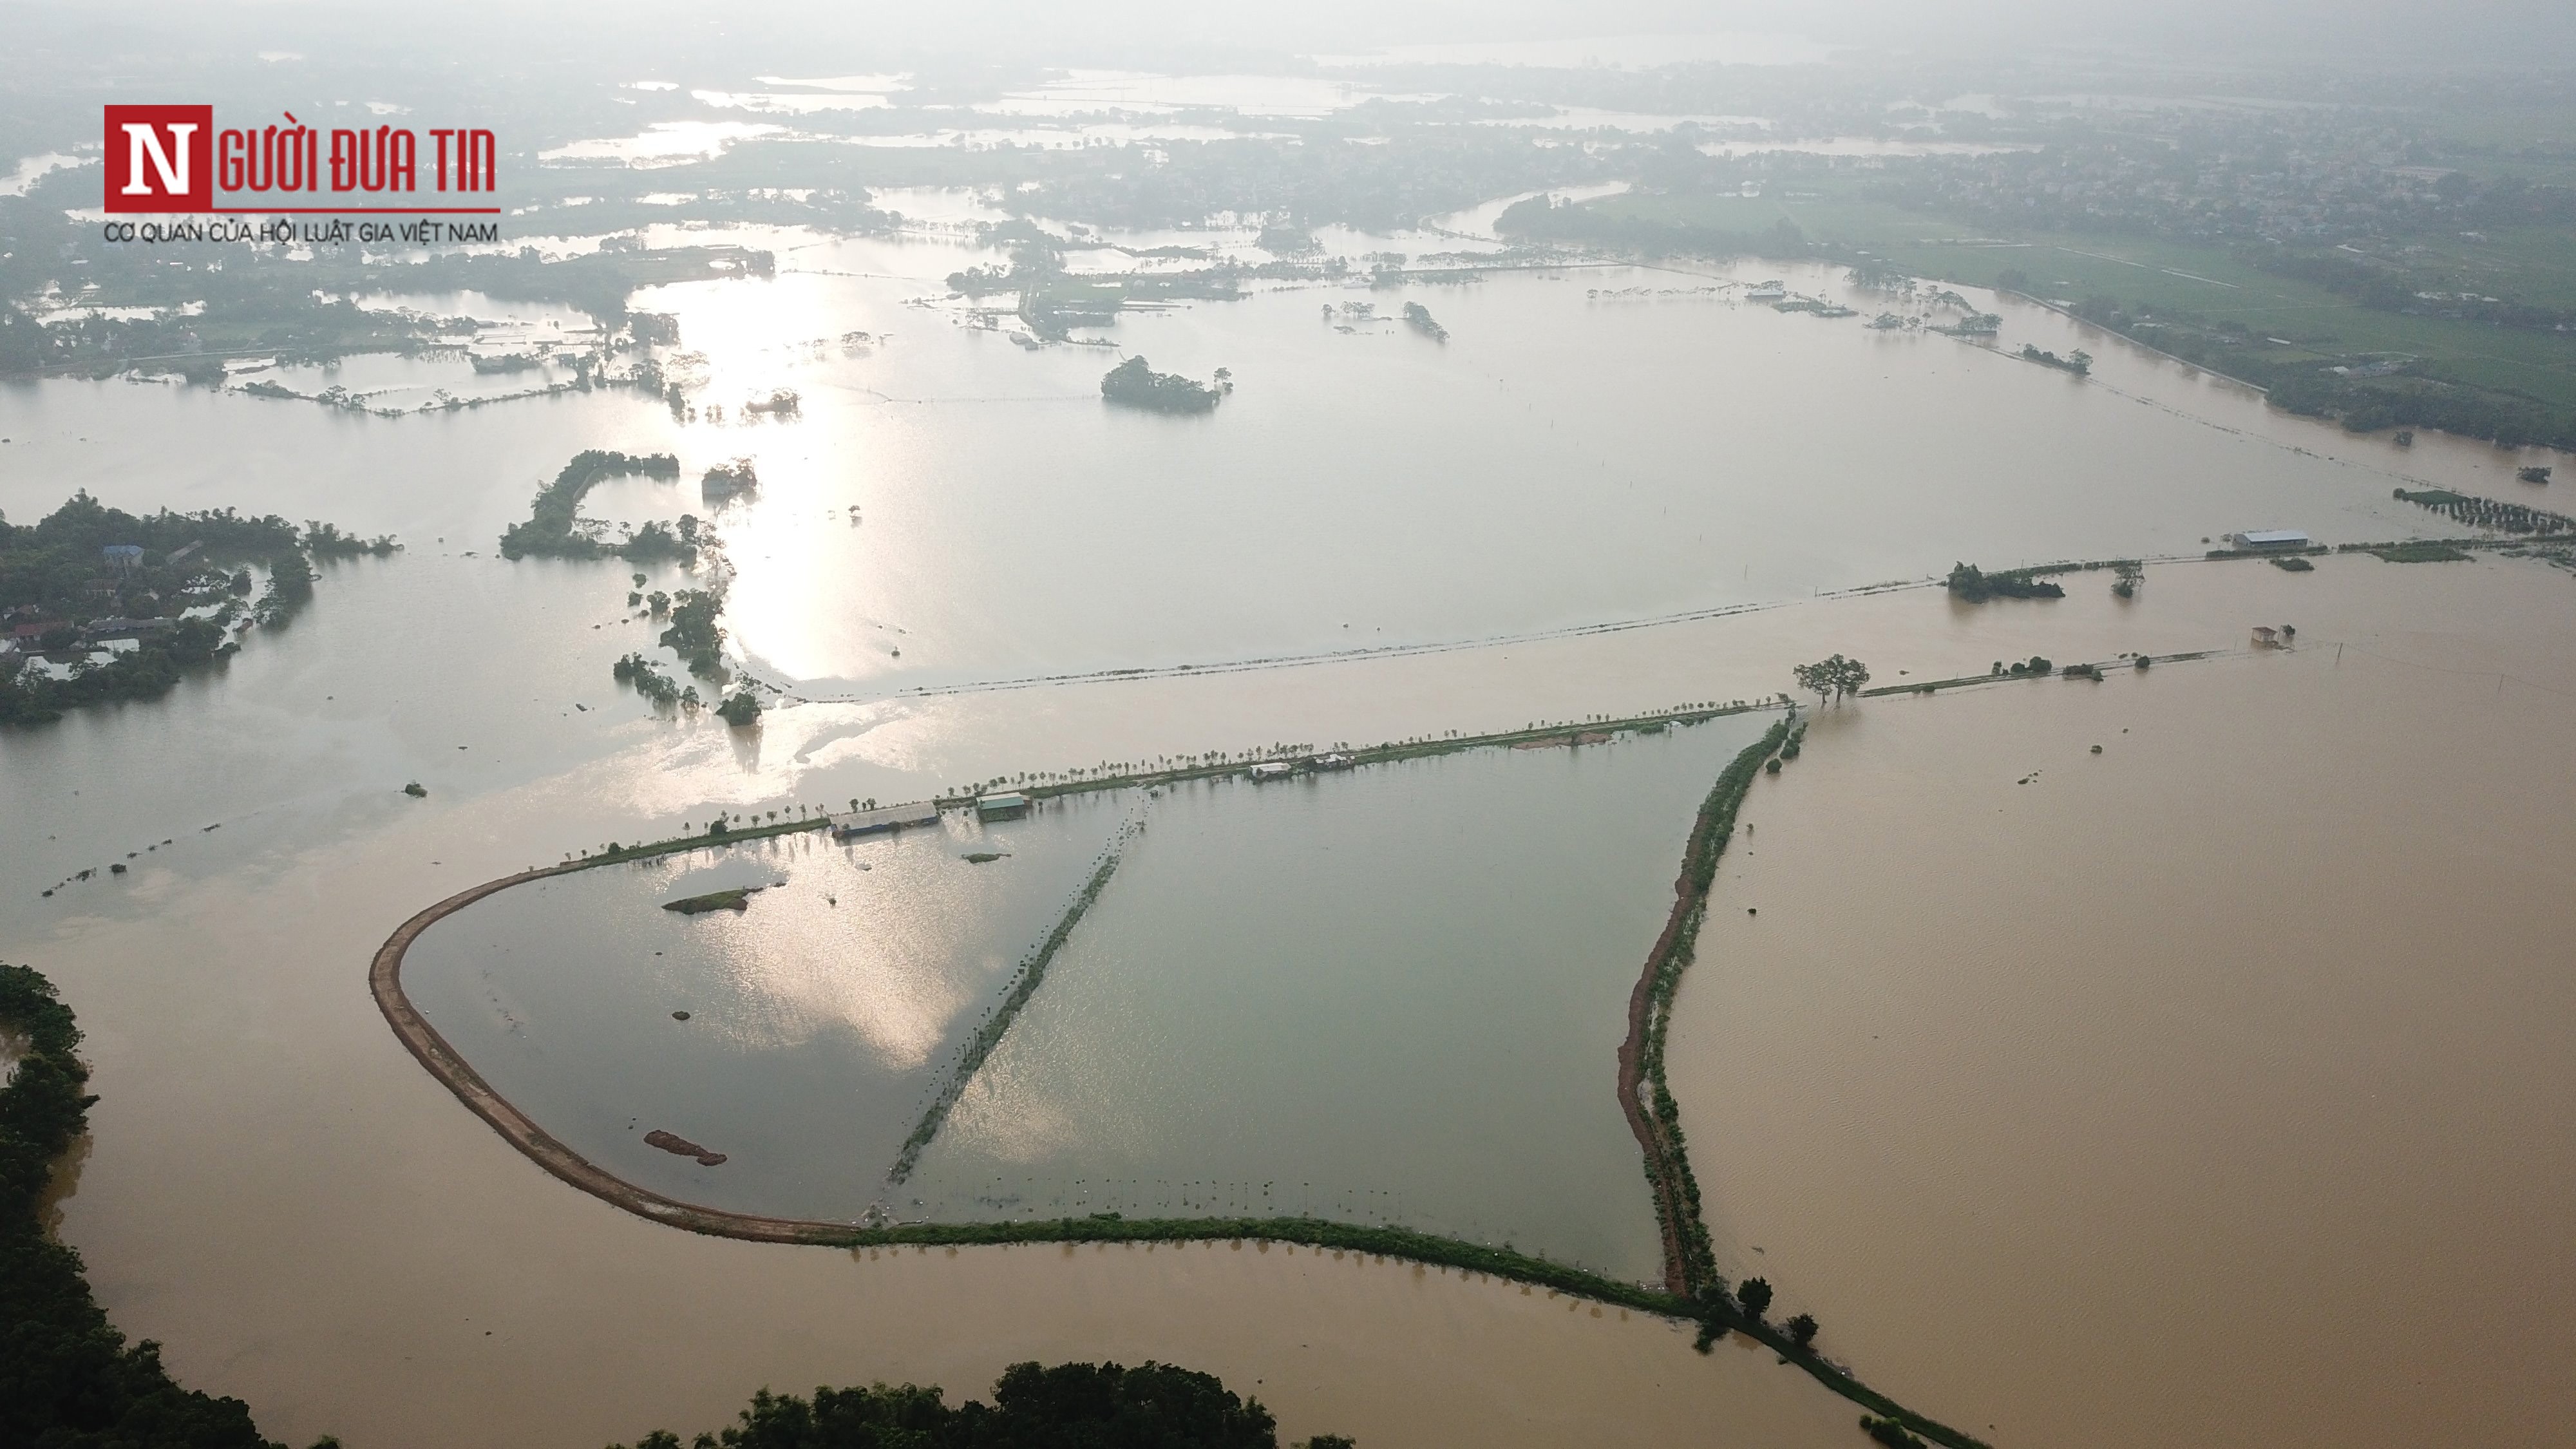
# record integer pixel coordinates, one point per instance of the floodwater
(820, 1020)
(1393, 996)
(664, 143)
(303, 1218)
(1861, 146)
(1010, 524)
(1725, 47)
(2212, 1090)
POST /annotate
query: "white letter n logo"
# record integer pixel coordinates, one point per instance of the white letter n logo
(142, 138)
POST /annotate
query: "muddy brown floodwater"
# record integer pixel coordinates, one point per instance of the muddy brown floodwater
(307, 1220)
(2211, 1090)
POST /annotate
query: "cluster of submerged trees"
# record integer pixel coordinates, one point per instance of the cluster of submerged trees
(1975, 585)
(554, 529)
(1831, 679)
(2488, 512)
(649, 681)
(694, 634)
(2078, 362)
(1133, 384)
(1069, 1406)
(729, 480)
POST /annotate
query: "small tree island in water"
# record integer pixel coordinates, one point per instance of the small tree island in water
(1133, 384)
(1969, 582)
(736, 899)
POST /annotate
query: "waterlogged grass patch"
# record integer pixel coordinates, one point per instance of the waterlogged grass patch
(737, 899)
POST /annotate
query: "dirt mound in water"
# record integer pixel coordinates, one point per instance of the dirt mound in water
(679, 1146)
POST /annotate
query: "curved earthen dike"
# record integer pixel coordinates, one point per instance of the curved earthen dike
(384, 981)
(1669, 1203)
(1668, 1165)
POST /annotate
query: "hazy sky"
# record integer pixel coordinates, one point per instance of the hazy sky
(2521, 32)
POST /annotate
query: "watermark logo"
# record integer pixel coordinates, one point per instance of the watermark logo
(174, 159)
(160, 158)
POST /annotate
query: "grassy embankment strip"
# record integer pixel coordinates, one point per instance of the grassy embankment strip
(1024, 985)
(736, 899)
(1386, 753)
(646, 850)
(1931, 686)
(1689, 1263)
(1387, 1242)
(1656, 1118)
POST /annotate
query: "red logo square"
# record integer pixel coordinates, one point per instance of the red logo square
(160, 158)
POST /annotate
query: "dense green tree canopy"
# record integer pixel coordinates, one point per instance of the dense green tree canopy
(1069, 1406)
(68, 1379)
